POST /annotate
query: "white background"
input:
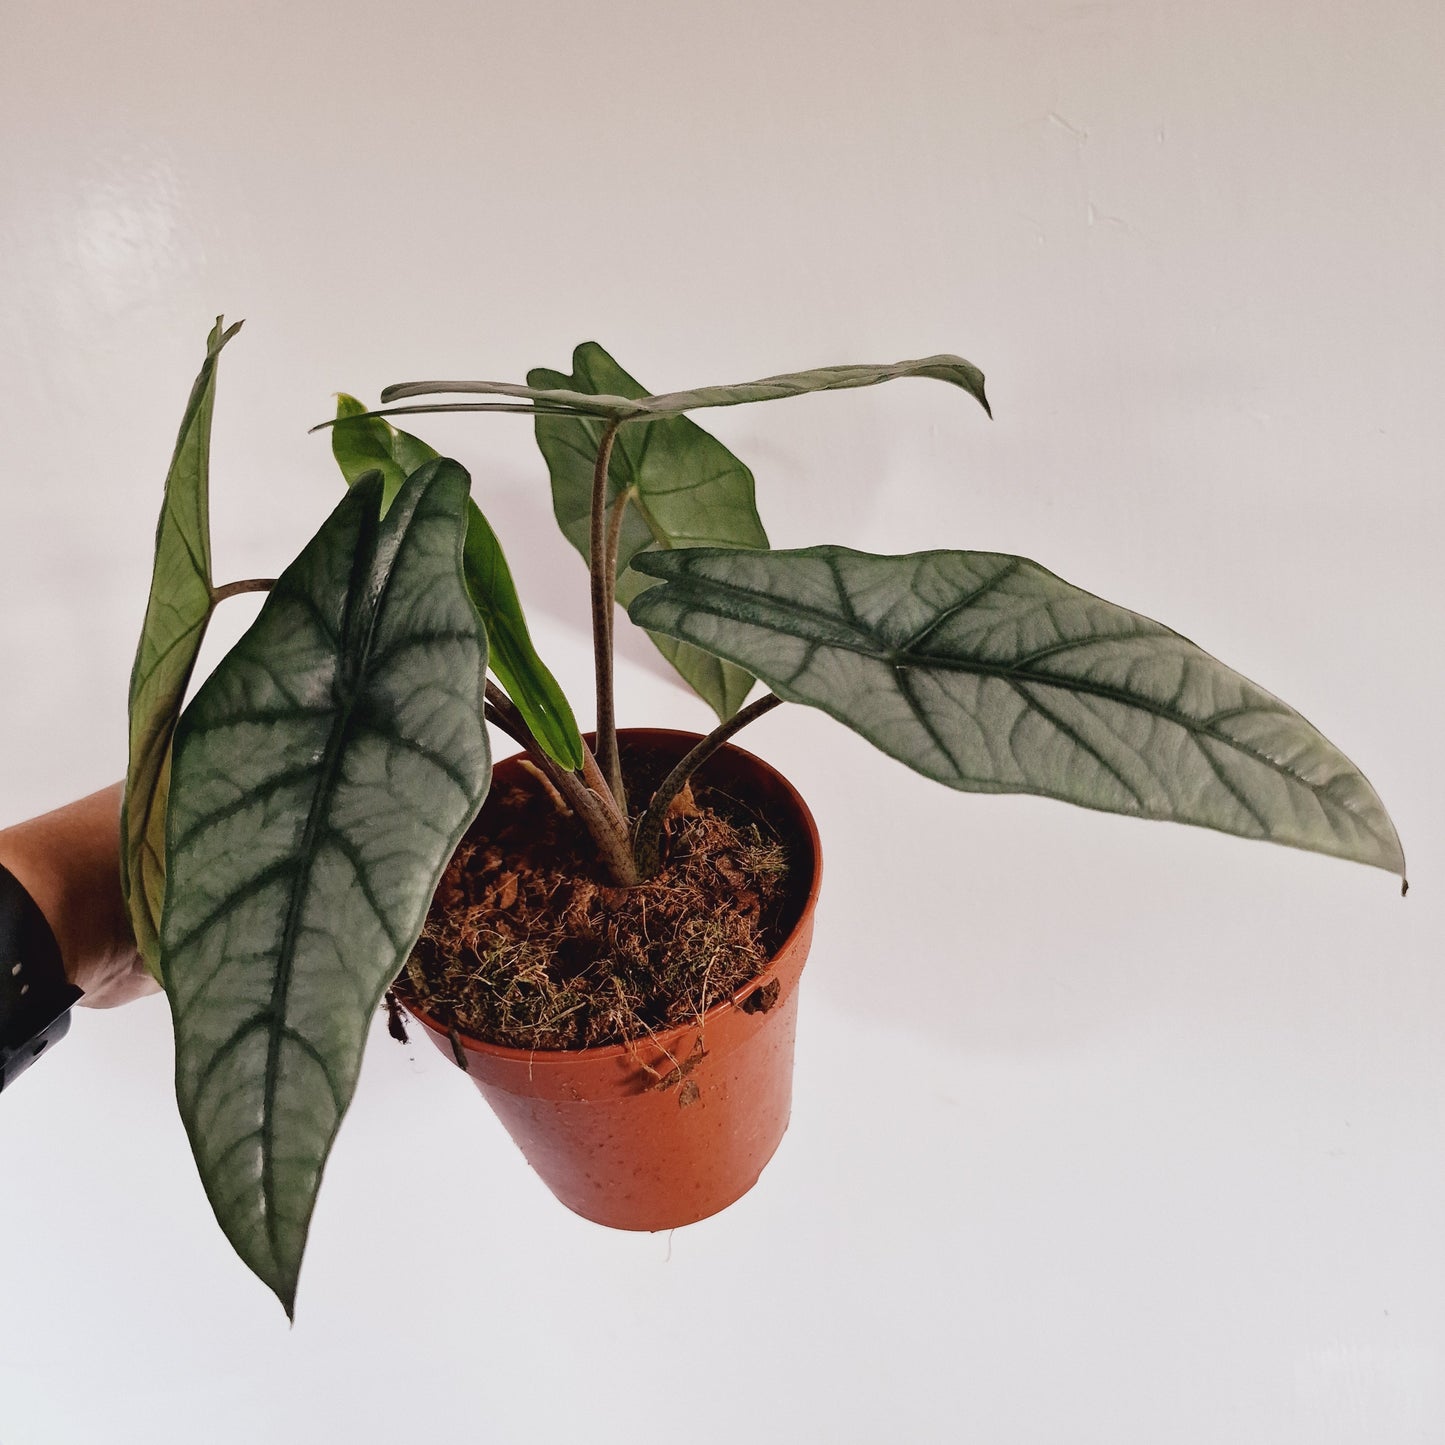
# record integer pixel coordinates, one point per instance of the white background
(1104, 1131)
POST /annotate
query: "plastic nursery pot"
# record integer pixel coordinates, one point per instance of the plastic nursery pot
(665, 1131)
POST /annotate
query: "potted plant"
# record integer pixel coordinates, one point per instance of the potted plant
(286, 834)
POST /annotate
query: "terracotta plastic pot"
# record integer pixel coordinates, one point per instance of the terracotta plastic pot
(665, 1132)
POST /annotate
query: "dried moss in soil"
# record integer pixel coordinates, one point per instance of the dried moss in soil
(528, 945)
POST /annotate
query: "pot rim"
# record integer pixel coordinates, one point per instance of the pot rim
(555, 1057)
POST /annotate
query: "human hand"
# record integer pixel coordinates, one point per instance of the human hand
(68, 861)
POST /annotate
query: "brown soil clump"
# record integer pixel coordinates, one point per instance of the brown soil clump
(529, 946)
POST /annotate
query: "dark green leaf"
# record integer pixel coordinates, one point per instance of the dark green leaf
(523, 675)
(180, 605)
(684, 488)
(323, 776)
(362, 443)
(990, 674)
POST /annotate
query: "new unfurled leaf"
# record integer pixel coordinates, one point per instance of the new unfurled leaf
(990, 674)
(362, 443)
(323, 776)
(554, 392)
(684, 488)
(180, 605)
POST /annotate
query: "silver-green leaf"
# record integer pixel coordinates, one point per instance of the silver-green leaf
(684, 488)
(990, 674)
(179, 608)
(323, 776)
(555, 392)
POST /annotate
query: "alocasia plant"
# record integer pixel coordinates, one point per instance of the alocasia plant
(285, 834)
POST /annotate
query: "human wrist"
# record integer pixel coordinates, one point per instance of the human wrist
(68, 861)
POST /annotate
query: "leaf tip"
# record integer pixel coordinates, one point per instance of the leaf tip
(221, 334)
(651, 564)
(348, 406)
(285, 1292)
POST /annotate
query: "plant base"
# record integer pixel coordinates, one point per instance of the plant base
(666, 1130)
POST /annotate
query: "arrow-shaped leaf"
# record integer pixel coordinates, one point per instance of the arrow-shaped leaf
(323, 775)
(553, 392)
(362, 443)
(684, 489)
(180, 606)
(990, 674)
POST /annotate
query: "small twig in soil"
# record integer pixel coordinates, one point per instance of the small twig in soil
(548, 787)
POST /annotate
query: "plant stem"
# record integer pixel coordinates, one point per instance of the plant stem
(234, 589)
(594, 808)
(603, 591)
(614, 541)
(648, 844)
(594, 781)
(511, 722)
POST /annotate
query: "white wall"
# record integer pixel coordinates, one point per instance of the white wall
(1103, 1132)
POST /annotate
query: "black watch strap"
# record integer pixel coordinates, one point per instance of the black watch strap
(35, 995)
